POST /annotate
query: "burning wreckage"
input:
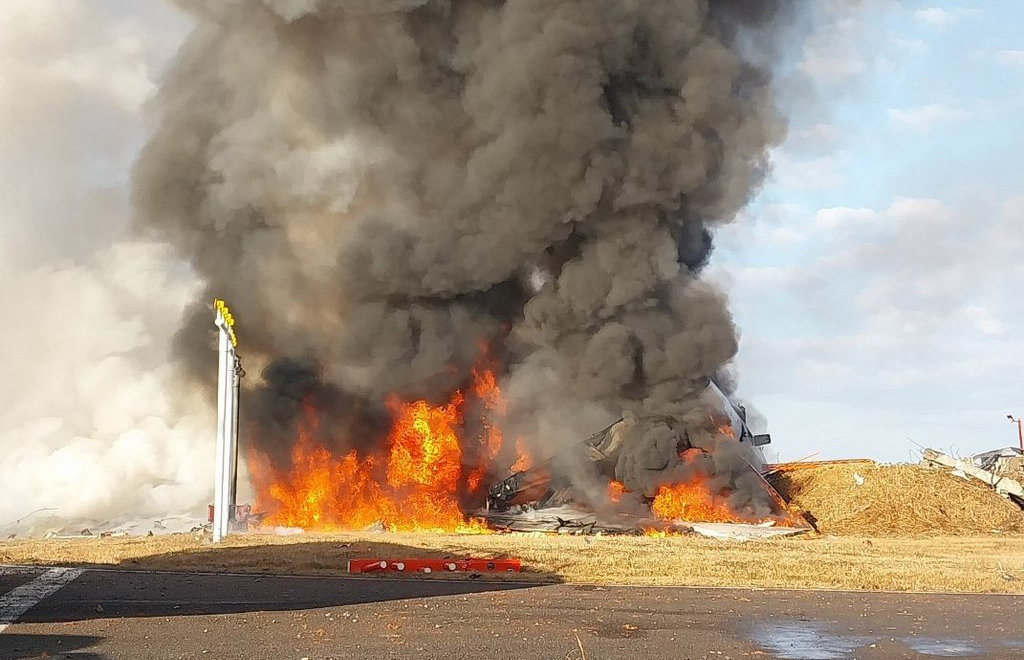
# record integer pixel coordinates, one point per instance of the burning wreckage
(703, 478)
(406, 189)
(543, 498)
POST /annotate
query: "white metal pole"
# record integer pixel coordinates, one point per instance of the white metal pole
(228, 456)
(224, 386)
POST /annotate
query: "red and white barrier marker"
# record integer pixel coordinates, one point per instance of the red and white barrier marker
(431, 565)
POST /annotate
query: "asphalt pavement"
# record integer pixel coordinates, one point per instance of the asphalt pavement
(111, 614)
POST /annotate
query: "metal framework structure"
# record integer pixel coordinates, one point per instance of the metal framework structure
(228, 381)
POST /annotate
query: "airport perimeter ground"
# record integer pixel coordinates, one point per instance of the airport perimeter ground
(113, 614)
(980, 564)
(580, 598)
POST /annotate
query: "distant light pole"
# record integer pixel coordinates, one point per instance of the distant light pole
(1020, 429)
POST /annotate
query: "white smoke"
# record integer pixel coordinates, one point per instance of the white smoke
(88, 428)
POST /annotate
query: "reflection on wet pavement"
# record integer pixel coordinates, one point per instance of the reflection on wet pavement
(817, 640)
(943, 648)
(806, 640)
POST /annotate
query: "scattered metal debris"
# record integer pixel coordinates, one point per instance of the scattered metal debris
(1008, 461)
(1005, 486)
(741, 532)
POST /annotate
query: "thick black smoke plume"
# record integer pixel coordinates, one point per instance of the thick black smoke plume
(382, 187)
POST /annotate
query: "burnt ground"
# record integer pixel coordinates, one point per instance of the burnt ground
(142, 615)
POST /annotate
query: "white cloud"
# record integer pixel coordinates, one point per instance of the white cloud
(923, 211)
(811, 174)
(936, 16)
(915, 47)
(830, 63)
(907, 304)
(924, 117)
(896, 315)
(817, 138)
(760, 278)
(940, 18)
(1010, 57)
(1008, 232)
(985, 320)
(834, 53)
(923, 263)
(783, 237)
(845, 44)
(842, 217)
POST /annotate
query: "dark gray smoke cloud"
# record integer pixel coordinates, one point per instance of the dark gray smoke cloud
(379, 186)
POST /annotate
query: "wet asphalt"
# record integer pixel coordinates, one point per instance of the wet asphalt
(109, 614)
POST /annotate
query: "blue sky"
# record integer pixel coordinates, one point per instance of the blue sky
(876, 277)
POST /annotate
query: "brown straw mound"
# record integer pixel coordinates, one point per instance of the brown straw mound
(897, 500)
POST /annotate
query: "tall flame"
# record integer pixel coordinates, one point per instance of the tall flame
(485, 387)
(425, 450)
(416, 487)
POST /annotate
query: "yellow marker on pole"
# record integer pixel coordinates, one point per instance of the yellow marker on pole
(229, 319)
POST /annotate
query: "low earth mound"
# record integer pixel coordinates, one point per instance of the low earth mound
(897, 500)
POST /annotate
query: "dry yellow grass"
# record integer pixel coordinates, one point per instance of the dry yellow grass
(898, 500)
(910, 529)
(978, 564)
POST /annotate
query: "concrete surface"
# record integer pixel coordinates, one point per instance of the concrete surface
(105, 614)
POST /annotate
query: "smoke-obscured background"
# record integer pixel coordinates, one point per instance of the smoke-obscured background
(872, 279)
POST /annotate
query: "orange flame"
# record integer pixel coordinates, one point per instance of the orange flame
(417, 489)
(485, 387)
(615, 490)
(692, 502)
(425, 449)
(524, 460)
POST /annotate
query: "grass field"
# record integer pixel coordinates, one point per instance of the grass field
(965, 564)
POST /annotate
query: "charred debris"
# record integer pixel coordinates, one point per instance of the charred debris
(548, 496)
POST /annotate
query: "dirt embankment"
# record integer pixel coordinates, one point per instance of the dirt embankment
(897, 500)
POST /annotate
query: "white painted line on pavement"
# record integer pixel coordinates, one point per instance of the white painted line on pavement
(22, 599)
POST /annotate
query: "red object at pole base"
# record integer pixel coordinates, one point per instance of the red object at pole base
(435, 565)
(239, 513)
